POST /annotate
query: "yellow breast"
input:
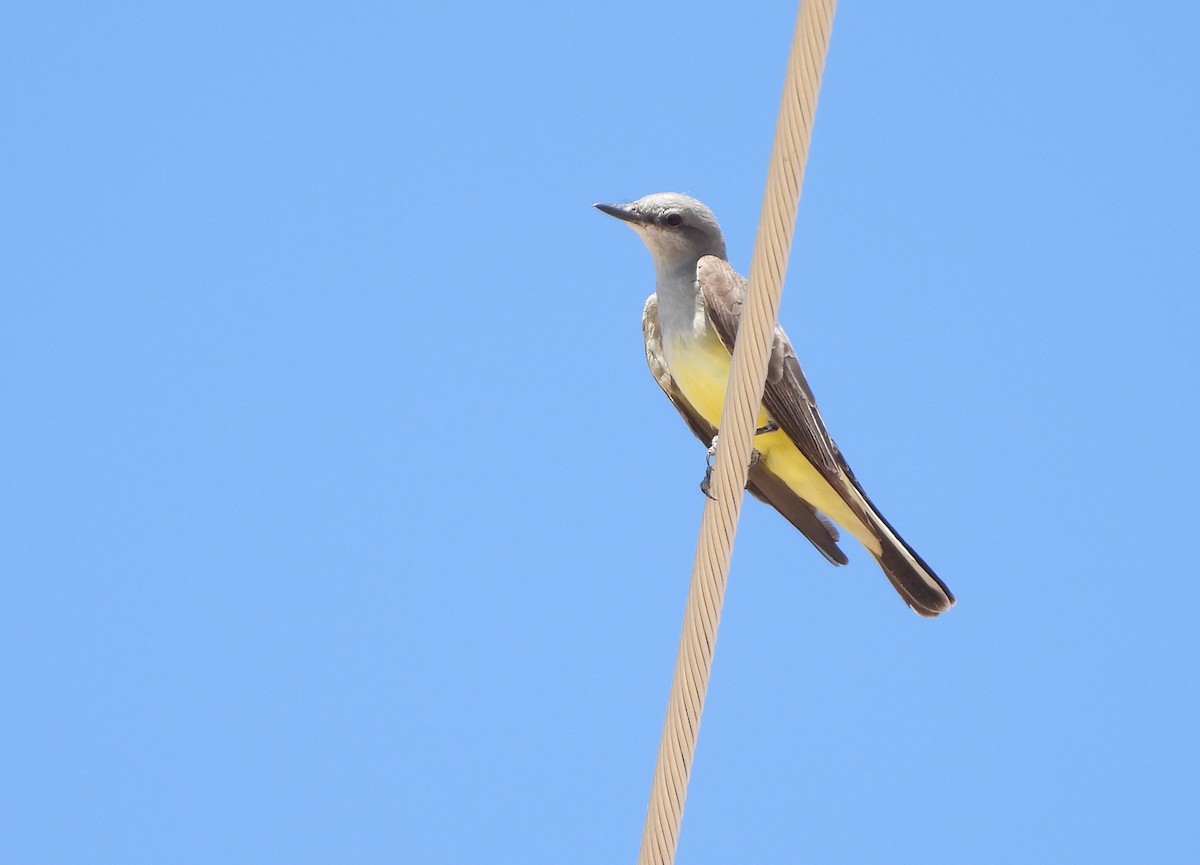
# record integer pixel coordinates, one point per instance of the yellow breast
(700, 367)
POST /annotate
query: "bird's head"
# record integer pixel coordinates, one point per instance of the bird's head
(676, 228)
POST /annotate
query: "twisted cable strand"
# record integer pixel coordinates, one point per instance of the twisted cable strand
(702, 613)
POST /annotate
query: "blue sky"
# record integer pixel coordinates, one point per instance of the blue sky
(342, 521)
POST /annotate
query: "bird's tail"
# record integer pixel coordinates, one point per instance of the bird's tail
(913, 579)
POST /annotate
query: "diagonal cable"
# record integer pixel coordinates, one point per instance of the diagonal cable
(702, 613)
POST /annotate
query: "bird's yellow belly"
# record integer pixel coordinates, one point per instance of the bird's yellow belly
(700, 367)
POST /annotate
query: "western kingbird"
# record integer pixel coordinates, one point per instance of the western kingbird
(689, 325)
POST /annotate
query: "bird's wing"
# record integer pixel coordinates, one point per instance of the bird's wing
(762, 484)
(788, 399)
(790, 403)
(657, 361)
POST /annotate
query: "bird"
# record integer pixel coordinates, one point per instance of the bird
(689, 325)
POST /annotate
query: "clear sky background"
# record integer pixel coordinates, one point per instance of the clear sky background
(342, 521)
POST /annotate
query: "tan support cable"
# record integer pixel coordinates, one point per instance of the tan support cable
(702, 614)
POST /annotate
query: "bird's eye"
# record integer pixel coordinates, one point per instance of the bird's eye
(673, 219)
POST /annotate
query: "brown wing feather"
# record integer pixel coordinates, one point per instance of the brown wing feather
(657, 361)
(762, 484)
(788, 399)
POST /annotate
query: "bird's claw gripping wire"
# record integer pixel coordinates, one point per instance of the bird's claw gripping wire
(755, 459)
(706, 484)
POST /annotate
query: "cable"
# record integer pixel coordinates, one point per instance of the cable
(702, 613)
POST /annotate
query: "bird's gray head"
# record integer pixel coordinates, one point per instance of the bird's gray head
(676, 228)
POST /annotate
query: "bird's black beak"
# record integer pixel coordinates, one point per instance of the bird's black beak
(622, 212)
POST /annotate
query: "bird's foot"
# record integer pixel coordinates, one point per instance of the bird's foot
(706, 484)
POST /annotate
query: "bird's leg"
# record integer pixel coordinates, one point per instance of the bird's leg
(755, 455)
(706, 484)
(755, 459)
